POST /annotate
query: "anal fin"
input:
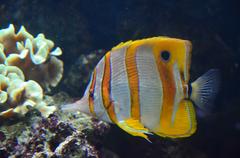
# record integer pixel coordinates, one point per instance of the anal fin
(183, 125)
(134, 127)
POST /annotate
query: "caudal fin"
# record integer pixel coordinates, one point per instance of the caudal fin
(205, 88)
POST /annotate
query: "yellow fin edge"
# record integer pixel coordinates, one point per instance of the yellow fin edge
(124, 44)
(190, 131)
(134, 127)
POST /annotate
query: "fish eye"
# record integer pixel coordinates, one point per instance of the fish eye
(165, 55)
(91, 94)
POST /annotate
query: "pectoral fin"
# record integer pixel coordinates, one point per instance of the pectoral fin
(134, 127)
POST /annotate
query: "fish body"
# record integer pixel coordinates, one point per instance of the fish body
(143, 87)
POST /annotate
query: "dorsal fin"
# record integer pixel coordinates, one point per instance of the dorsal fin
(130, 42)
(122, 44)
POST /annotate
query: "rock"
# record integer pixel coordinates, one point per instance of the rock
(59, 135)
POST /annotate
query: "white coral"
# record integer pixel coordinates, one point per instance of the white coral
(29, 54)
(17, 95)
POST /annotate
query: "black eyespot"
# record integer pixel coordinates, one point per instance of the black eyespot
(165, 55)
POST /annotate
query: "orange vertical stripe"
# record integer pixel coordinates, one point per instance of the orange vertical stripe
(91, 93)
(106, 89)
(133, 81)
(169, 90)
